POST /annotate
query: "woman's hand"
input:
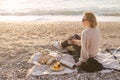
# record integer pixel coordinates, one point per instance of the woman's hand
(78, 64)
(75, 42)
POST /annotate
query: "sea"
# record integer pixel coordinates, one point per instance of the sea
(58, 10)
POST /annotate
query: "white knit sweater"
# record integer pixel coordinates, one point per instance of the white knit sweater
(90, 43)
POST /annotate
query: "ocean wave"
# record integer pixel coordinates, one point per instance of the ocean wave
(60, 12)
(43, 12)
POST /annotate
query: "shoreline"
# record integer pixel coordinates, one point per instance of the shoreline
(50, 22)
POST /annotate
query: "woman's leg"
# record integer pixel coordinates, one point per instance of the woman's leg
(77, 49)
(76, 55)
(65, 44)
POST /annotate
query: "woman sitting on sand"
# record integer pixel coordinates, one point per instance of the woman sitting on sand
(87, 47)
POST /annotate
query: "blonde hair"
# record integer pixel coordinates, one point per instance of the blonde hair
(91, 18)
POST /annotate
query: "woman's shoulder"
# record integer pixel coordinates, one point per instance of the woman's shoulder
(90, 30)
(86, 30)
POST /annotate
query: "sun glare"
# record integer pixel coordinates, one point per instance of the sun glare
(12, 5)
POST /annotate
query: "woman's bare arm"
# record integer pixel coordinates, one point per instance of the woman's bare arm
(76, 42)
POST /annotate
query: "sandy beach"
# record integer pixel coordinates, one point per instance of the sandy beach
(19, 40)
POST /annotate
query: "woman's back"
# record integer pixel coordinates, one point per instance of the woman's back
(91, 37)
